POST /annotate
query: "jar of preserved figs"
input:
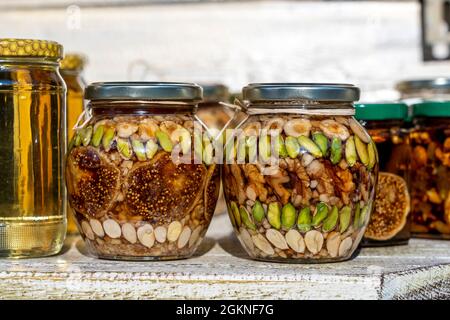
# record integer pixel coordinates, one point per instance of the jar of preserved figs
(33, 131)
(71, 68)
(390, 220)
(430, 170)
(138, 190)
(300, 173)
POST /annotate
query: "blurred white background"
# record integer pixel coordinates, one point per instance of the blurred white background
(372, 44)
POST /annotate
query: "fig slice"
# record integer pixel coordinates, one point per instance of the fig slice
(391, 207)
(92, 181)
(162, 191)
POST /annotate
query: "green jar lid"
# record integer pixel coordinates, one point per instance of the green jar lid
(381, 111)
(432, 109)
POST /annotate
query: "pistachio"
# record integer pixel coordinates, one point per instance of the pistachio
(314, 241)
(231, 216)
(150, 148)
(297, 127)
(295, 241)
(333, 242)
(277, 239)
(279, 147)
(252, 148)
(292, 147)
(344, 218)
(86, 135)
(364, 215)
(139, 149)
(183, 239)
(274, 215)
(288, 216)
(372, 153)
(361, 149)
(304, 220)
(164, 141)
(129, 233)
(357, 215)
(124, 148)
(146, 235)
(350, 151)
(330, 222)
(320, 215)
(236, 214)
(345, 246)
(264, 148)
(173, 231)
(207, 151)
(97, 227)
(262, 244)
(125, 129)
(309, 146)
(72, 142)
(241, 151)
(112, 228)
(87, 230)
(358, 130)
(98, 135)
(246, 219)
(258, 211)
(321, 141)
(246, 238)
(336, 150)
(108, 137)
(77, 139)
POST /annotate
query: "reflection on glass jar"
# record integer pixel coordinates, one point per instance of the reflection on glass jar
(390, 220)
(430, 174)
(32, 127)
(71, 68)
(299, 179)
(132, 181)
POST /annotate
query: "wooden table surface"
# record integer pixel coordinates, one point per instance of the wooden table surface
(222, 270)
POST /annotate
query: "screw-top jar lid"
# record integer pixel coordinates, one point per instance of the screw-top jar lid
(158, 91)
(381, 111)
(30, 48)
(432, 109)
(300, 91)
(215, 92)
(72, 62)
(420, 84)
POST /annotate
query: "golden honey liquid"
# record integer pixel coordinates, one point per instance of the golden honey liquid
(32, 205)
(75, 89)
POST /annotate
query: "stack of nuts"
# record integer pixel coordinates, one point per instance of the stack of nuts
(315, 204)
(131, 200)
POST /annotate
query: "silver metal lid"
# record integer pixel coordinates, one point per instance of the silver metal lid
(300, 91)
(215, 92)
(158, 91)
(419, 84)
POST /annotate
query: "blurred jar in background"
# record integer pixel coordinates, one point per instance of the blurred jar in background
(71, 68)
(33, 132)
(389, 223)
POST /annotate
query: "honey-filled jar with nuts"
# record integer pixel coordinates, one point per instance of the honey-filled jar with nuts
(136, 176)
(430, 170)
(389, 223)
(300, 172)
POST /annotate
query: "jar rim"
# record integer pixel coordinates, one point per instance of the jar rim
(440, 83)
(327, 92)
(152, 91)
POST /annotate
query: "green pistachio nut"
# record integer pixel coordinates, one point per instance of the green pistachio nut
(361, 149)
(198, 146)
(207, 151)
(236, 213)
(344, 218)
(321, 214)
(72, 142)
(331, 221)
(139, 149)
(150, 148)
(321, 141)
(292, 147)
(280, 147)
(241, 151)
(108, 137)
(246, 219)
(185, 140)
(364, 215)
(309, 146)
(77, 138)
(350, 151)
(288, 216)
(274, 215)
(372, 153)
(252, 148)
(98, 135)
(164, 140)
(86, 135)
(258, 211)
(124, 148)
(357, 215)
(231, 216)
(304, 220)
(264, 148)
(336, 150)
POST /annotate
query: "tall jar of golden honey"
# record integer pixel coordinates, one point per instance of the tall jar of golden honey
(33, 132)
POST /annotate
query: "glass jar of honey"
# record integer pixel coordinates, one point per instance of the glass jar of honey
(33, 131)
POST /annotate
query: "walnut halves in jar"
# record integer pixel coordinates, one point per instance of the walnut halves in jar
(137, 190)
(300, 180)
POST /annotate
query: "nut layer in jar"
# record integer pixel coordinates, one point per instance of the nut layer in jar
(314, 205)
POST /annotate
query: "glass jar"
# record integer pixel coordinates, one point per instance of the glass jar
(211, 109)
(390, 220)
(32, 126)
(137, 190)
(424, 89)
(299, 178)
(71, 68)
(430, 170)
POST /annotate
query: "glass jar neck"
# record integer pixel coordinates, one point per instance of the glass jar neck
(46, 62)
(117, 107)
(307, 107)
